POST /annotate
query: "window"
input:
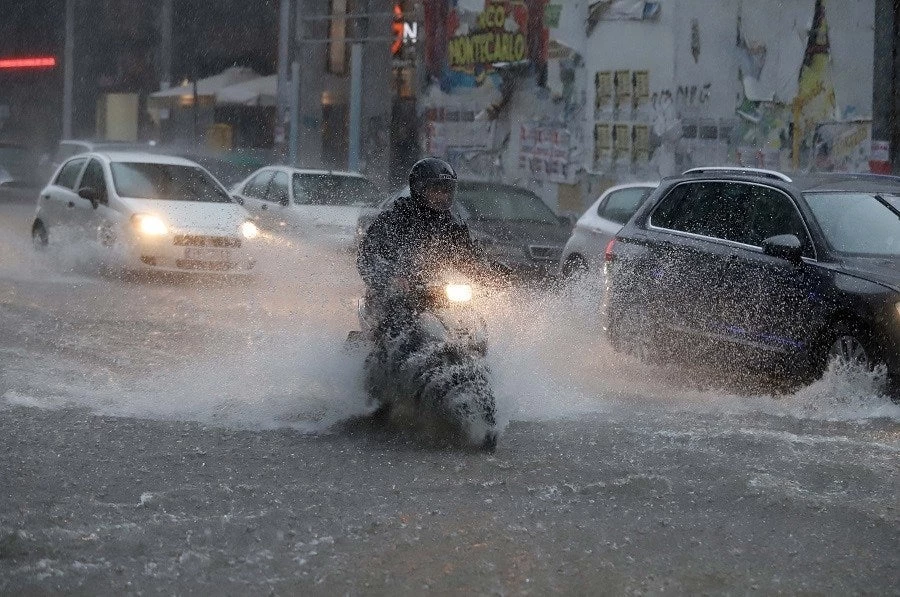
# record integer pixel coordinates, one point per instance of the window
(328, 189)
(715, 209)
(774, 213)
(337, 36)
(621, 205)
(166, 182)
(278, 189)
(257, 186)
(858, 223)
(69, 174)
(93, 178)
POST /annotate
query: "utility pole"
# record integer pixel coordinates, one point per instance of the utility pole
(295, 113)
(165, 45)
(281, 110)
(885, 90)
(355, 105)
(69, 69)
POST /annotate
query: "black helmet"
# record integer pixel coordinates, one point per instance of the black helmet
(432, 182)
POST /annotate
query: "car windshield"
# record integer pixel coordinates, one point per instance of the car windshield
(496, 202)
(166, 181)
(330, 189)
(858, 223)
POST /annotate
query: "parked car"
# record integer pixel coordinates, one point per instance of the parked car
(307, 202)
(513, 225)
(599, 225)
(167, 213)
(18, 166)
(784, 273)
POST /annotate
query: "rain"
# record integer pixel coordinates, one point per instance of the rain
(469, 296)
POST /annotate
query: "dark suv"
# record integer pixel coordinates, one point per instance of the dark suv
(750, 265)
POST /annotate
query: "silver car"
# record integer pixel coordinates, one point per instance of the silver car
(599, 225)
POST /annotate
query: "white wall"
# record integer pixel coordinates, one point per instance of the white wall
(852, 38)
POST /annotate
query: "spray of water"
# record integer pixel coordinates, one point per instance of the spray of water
(270, 351)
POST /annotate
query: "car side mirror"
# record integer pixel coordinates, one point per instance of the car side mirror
(91, 194)
(785, 246)
(284, 201)
(237, 198)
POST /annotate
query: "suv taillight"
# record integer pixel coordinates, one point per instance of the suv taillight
(609, 255)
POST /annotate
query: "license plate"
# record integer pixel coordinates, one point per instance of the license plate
(206, 254)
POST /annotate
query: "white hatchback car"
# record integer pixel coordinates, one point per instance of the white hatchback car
(162, 213)
(600, 224)
(308, 202)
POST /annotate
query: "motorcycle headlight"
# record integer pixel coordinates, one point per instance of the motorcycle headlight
(150, 225)
(249, 230)
(897, 306)
(458, 293)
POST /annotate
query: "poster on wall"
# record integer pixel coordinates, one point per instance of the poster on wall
(622, 93)
(545, 153)
(603, 95)
(621, 142)
(842, 146)
(640, 145)
(459, 137)
(640, 96)
(466, 48)
(603, 146)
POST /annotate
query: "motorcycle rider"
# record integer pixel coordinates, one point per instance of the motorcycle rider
(417, 235)
(401, 251)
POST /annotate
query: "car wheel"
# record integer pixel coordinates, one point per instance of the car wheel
(39, 236)
(575, 267)
(844, 343)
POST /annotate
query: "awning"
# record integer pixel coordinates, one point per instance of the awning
(261, 91)
(210, 85)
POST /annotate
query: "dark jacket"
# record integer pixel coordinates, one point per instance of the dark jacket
(413, 242)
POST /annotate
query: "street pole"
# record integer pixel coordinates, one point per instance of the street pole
(295, 113)
(69, 69)
(165, 45)
(355, 105)
(884, 89)
(284, 33)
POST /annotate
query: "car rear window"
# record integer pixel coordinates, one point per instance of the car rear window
(621, 204)
(330, 189)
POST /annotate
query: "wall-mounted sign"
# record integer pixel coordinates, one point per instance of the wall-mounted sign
(405, 32)
(466, 47)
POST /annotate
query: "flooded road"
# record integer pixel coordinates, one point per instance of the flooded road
(210, 435)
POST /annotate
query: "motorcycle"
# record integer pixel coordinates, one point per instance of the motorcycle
(430, 359)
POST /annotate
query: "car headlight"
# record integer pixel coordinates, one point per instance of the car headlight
(458, 293)
(249, 230)
(149, 225)
(897, 306)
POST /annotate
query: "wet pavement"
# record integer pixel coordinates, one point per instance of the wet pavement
(209, 436)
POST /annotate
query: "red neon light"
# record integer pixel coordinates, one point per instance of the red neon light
(38, 62)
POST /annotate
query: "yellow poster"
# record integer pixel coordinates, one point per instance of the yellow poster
(621, 141)
(622, 89)
(603, 88)
(602, 144)
(640, 143)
